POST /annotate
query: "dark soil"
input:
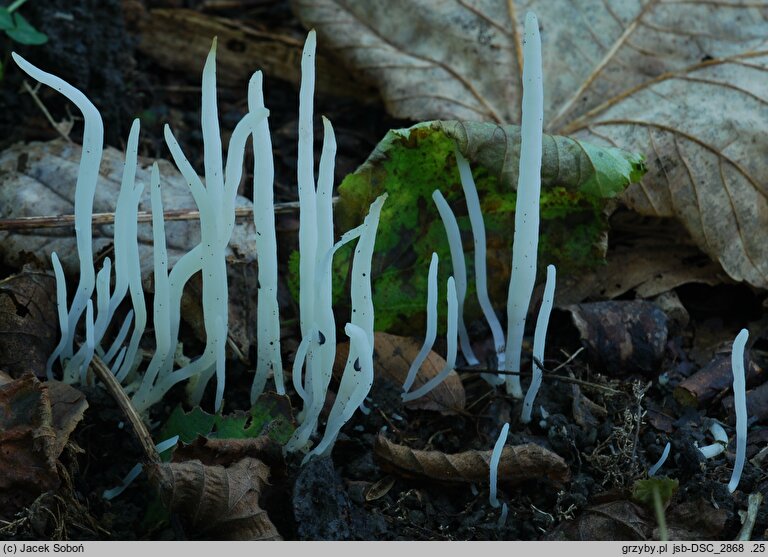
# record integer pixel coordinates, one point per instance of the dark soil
(607, 451)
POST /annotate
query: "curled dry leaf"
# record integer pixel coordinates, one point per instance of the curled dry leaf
(393, 357)
(714, 379)
(38, 179)
(681, 82)
(214, 501)
(32, 436)
(224, 451)
(617, 520)
(517, 464)
(28, 322)
(624, 520)
(649, 266)
(622, 336)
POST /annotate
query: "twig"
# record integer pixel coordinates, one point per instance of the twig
(63, 130)
(117, 392)
(562, 378)
(62, 221)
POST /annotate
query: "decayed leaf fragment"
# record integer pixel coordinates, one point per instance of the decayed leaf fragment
(28, 321)
(517, 464)
(681, 82)
(32, 436)
(218, 497)
(393, 357)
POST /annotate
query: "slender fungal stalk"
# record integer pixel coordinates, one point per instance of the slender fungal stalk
(526, 240)
(268, 357)
(459, 270)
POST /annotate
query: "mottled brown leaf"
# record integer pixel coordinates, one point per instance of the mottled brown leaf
(28, 322)
(649, 266)
(617, 520)
(223, 452)
(696, 520)
(393, 357)
(713, 380)
(27, 444)
(429, 59)
(622, 337)
(67, 408)
(517, 464)
(216, 502)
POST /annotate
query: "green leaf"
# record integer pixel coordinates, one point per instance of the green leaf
(614, 170)
(187, 425)
(6, 20)
(269, 416)
(409, 164)
(642, 490)
(24, 33)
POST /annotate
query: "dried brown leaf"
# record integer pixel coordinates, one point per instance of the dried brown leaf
(27, 444)
(28, 322)
(617, 520)
(517, 464)
(622, 336)
(216, 502)
(223, 452)
(681, 82)
(393, 357)
(67, 408)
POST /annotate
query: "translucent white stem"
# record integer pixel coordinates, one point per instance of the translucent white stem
(459, 270)
(90, 343)
(102, 299)
(450, 359)
(539, 341)
(61, 310)
(87, 177)
(526, 240)
(355, 385)
(740, 406)
(268, 357)
(117, 344)
(431, 334)
(126, 229)
(481, 281)
(655, 468)
(498, 448)
(307, 194)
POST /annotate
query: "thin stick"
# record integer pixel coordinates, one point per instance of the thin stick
(63, 221)
(59, 127)
(548, 375)
(117, 392)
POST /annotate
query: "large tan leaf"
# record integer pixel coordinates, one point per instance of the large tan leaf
(684, 82)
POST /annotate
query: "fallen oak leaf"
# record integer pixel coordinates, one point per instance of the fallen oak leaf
(518, 463)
